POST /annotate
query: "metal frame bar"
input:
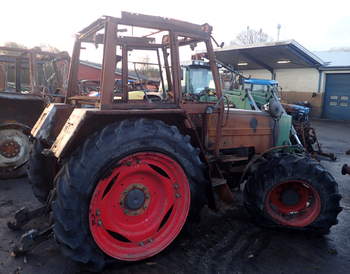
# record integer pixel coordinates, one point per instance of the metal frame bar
(108, 64)
(73, 71)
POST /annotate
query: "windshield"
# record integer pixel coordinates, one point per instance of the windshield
(200, 79)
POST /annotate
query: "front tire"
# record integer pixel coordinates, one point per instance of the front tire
(292, 191)
(126, 193)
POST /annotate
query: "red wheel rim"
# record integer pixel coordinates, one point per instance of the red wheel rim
(140, 208)
(293, 203)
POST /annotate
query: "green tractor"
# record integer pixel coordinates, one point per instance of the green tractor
(241, 93)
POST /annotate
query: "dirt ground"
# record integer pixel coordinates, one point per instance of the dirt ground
(225, 242)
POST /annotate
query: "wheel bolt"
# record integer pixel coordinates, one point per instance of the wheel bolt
(99, 222)
(97, 213)
(141, 244)
(176, 186)
(177, 195)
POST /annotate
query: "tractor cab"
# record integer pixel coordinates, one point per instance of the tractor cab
(197, 78)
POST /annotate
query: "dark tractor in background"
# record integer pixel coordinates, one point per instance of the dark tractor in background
(29, 79)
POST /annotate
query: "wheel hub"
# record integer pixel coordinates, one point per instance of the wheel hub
(10, 149)
(290, 197)
(134, 199)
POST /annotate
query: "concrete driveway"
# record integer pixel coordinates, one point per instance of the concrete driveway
(226, 242)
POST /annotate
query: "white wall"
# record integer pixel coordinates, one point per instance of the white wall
(258, 73)
(303, 80)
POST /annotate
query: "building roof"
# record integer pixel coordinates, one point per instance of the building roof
(270, 56)
(335, 58)
(98, 66)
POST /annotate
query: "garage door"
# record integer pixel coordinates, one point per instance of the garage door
(337, 97)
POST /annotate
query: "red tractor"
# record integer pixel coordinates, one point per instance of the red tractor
(124, 177)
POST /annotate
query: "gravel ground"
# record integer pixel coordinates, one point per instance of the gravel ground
(226, 242)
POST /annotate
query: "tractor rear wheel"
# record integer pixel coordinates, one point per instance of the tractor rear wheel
(127, 193)
(14, 152)
(41, 171)
(285, 190)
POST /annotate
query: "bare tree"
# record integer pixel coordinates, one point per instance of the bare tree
(12, 45)
(48, 48)
(250, 37)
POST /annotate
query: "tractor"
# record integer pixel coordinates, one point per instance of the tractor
(263, 90)
(29, 79)
(124, 177)
(292, 120)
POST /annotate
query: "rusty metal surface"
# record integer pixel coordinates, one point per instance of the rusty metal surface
(51, 121)
(243, 129)
(71, 127)
(109, 63)
(82, 122)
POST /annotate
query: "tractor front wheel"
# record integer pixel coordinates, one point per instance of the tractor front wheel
(292, 191)
(127, 193)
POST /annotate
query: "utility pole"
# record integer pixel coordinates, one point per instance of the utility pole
(278, 31)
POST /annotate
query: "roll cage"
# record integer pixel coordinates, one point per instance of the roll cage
(108, 31)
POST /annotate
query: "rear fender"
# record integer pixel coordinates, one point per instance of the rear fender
(83, 122)
(51, 121)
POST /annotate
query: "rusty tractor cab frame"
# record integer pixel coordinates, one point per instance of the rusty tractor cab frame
(33, 59)
(106, 105)
(131, 173)
(21, 107)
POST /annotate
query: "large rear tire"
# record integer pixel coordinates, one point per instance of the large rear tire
(127, 192)
(292, 191)
(41, 171)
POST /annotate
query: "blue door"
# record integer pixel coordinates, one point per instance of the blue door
(337, 97)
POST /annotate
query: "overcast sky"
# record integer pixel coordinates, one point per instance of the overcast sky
(317, 25)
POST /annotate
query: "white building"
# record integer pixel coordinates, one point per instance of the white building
(321, 78)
